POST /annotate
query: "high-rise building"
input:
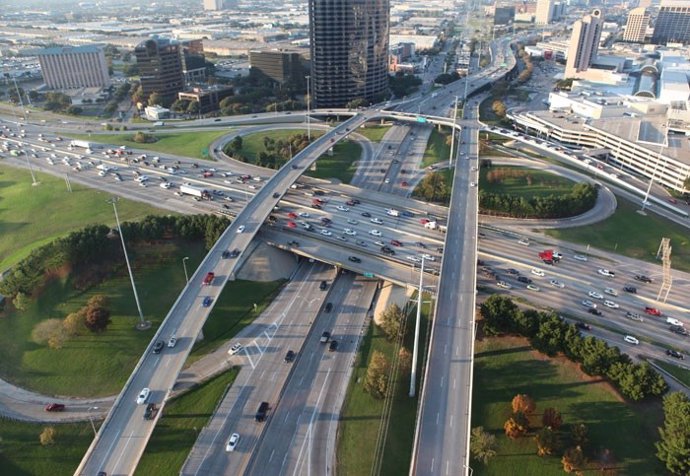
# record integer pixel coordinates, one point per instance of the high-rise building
(584, 43)
(213, 5)
(544, 12)
(673, 22)
(636, 28)
(279, 65)
(160, 67)
(349, 50)
(644, 3)
(504, 15)
(72, 67)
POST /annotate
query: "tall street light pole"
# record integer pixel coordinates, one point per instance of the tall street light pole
(452, 133)
(93, 427)
(415, 351)
(142, 325)
(184, 265)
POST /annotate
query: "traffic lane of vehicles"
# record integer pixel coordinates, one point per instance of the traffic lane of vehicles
(570, 301)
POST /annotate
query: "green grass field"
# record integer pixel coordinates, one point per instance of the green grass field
(523, 182)
(373, 133)
(99, 364)
(233, 311)
(23, 455)
(631, 234)
(189, 144)
(360, 421)
(680, 373)
(340, 166)
(436, 148)
(32, 216)
(505, 367)
(182, 420)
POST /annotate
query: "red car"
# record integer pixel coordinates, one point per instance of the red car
(350, 203)
(208, 279)
(404, 184)
(292, 224)
(292, 215)
(424, 221)
(396, 243)
(54, 407)
(652, 311)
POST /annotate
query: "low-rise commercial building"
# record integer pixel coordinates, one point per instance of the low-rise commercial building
(208, 98)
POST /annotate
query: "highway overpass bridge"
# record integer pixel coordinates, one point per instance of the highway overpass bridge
(122, 438)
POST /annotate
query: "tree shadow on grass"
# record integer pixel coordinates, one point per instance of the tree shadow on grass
(504, 351)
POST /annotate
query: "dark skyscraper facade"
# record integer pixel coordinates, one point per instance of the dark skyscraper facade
(673, 22)
(160, 67)
(349, 50)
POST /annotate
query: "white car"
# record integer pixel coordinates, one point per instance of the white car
(428, 257)
(611, 291)
(595, 295)
(342, 208)
(473, 184)
(143, 396)
(352, 221)
(503, 284)
(580, 257)
(557, 284)
(631, 340)
(414, 259)
(532, 287)
(606, 272)
(172, 342)
(524, 241)
(235, 349)
(537, 272)
(376, 221)
(240, 229)
(588, 303)
(673, 321)
(304, 214)
(611, 304)
(326, 233)
(232, 442)
(387, 180)
(165, 185)
(375, 233)
(350, 231)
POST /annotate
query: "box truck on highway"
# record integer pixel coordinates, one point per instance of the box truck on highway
(195, 192)
(82, 143)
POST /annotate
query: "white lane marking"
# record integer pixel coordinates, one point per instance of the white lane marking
(308, 435)
(122, 453)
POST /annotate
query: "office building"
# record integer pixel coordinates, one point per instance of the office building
(208, 98)
(349, 50)
(193, 61)
(544, 12)
(73, 67)
(280, 65)
(673, 22)
(584, 43)
(160, 68)
(504, 15)
(636, 27)
(213, 5)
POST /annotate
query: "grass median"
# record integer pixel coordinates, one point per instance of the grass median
(522, 182)
(628, 233)
(361, 420)
(32, 216)
(682, 374)
(188, 144)
(437, 149)
(508, 366)
(183, 419)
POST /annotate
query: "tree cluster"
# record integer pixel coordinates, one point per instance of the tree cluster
(434, 187)
(376, 379)
(392, 321)
(95, 246)
(276, 152)
(57, 102)
(446, 78)
(144, 138)
(526, 73)
(549, 334)
(402, 84)
(581, 198)
(673, 449)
